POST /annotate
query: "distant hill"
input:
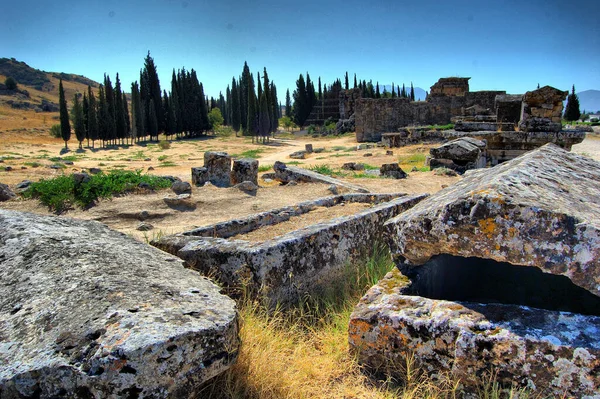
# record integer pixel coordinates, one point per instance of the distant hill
(589, 100)
(419, 93)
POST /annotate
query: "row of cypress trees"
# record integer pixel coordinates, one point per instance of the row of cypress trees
(253, 112)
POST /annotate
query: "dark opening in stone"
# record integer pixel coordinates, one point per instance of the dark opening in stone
(456, 278)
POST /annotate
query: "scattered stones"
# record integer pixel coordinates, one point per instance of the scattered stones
(8, 168)
(144, 186)
(270, 175)
(368, 154)
(23, 167)
(392, 170)
(70, 163)
(143, 226)
(286, 174)
(353, 166)
(333, 189)
(181, 187)
(172, 179)
(298, 155)
(460, 155)
(292, 183)
(150, 168)
(95, 171)
(389, 152)
(243, 170)
(6, 193)
(247, 187)
(219, 168)
(308, 148)
(143, 215)
(116, 323)
(199, 176)
(147, 159)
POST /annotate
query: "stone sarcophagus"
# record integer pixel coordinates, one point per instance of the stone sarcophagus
(498, 275)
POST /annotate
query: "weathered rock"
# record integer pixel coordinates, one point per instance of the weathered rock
(353, 166)
(537, 210)
(6, 193)
(389, 152)
(298, 154)
(392, 170)
(247, 186)
(199, 176)
(287, 174)
(219, 168)
(368, 154)
(8, 168)
(546, 104)
(244, 170)
(82, 319)
(80, 178)
(554, 353)
(144, 186)
(333, 189)
(181, 187)
(462, 149)
(308, 148)
(23, 186)
(181, 200)
(143, 226)
(268, 176)
(539, 125)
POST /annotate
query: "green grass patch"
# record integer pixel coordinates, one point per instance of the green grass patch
(362, 175)
(264, 168)
(294, 163)
(139, 155)
(370, 167)
(33, 164)
(339, 155)
(163, 158)
(413, 159)
(449, 126)
(322, 169)
(255, 154)
(167, 164)
(61, 192)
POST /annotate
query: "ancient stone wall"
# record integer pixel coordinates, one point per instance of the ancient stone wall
(485, 99)
(508, 108)
(450, 87)
(347, 101)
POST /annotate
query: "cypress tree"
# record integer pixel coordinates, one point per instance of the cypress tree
(572, 112)
(264, 122)
(152, 120)
(300, 100)
(102, 115)
(355, 81)
(412, 92)
(176, 102)
(377, 94)
(127, 119)
(86, 106)
(346, 84)
(77, 119)
(235, 107)
(259, 86)
(228, 108)
(65, 126)
(137, 111)
(393, 90)
(205, 124)
(120, 122)
(92, 117)
(288, 104)
(274, 108)
(111, 129)
(320, 97)
(154, 91)
(252, 122)
(244, 96)
(222, 107)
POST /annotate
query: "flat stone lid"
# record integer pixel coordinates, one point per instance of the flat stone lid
(541, 209)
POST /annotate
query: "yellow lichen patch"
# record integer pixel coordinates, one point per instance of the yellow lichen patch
(512, 232)
(499, 200)
(487, 227)
(356, 330)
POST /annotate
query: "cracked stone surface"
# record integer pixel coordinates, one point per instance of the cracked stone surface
(88, 312)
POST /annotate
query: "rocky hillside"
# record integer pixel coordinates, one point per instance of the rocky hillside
(33, 106)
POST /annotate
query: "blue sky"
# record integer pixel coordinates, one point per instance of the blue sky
(502, 45)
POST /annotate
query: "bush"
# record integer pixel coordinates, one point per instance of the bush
(61, 192)
(55, 131)
(10, 83)
(164, 144)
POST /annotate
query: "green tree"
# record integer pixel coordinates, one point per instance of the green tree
(377, 93)
(572, 112)
(127, 118)
(152, 120)
(92, 117)
(300, 102)
(77, 119)
(275, 108)
(215, 118)
(288, 104)
(11, 83)
(355, 85)
(235, 107)
(264, 121)
(244, 95)
(252, 122)
(137, 115)
(65, 126)
(111, 127)
(412, 92)
(346, 84)
(153, 92)
(120, 122)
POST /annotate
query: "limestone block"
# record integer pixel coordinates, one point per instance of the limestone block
(199, 176)
(219, 168)
(88, 312)
(392, 170)
(5, 192)
(181, 187)
(462, 149)
(245, 169)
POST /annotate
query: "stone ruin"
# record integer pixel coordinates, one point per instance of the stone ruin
(302, 261)
(86, 312)
(218, 170)
(500, 277)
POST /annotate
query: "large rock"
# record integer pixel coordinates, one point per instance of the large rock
(392, 170)
(287, 174)
(6, 193)
(539, 210)
(219, 168)
(245, 169)
(200, 176)
(461, 149)
(88, 312)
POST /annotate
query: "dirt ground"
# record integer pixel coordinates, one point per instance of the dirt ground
(30, 158)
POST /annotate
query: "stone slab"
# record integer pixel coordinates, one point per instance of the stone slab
(285, 174)
(88, 312)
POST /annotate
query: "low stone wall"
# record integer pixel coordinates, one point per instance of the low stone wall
(300, 262)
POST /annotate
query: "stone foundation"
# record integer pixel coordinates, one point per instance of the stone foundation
(298, 263)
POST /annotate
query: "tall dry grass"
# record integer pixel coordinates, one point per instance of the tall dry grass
(302, 352)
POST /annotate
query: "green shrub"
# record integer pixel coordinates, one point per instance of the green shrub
(61, 192)
(11, 83)
(55, 131)
(322, 169)
(264, 168)
(164, 144)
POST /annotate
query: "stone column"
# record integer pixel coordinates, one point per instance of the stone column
(244, 170)
(218, 165)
